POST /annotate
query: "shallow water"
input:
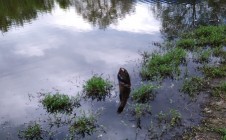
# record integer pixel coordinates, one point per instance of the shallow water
(49, 46)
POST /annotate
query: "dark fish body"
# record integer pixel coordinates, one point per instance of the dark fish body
(124, 88)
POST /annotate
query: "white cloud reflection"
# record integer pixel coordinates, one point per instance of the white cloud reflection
(69, 18)
(142, 21)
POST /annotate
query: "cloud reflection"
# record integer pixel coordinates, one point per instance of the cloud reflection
(142, 21)
(69, 18)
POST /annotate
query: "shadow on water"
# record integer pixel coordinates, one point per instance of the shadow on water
(171, 111)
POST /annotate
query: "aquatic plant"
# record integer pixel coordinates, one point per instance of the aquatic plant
(163, 65)
(193, 85)
(214, 72)
(213, 35)
(219, 52)
(84, 125)
(140, 109)
(145, 55)
(60, 103)
(144, 93)
(202, 36)
(97, 88)
(220, 89)
(204, 56)
(175, 117)
(161, 116)
(186, 43)
(32, 132)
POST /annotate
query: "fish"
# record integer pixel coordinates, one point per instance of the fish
(124, 88)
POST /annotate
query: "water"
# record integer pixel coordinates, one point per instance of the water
(51, 45)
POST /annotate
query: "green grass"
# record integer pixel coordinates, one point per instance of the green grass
(202, 36)
(144, 93)
(97, 88)
(32, 132)
(213, 35)
(220, 89)
(219, 52)
(193, 86)
(161, 116)
(188, 44)
(163, 65)
(84, 125)
(203, 55)
(59, 103)
(222, 132)
(140, 109)
(214, 72)
(175, 117)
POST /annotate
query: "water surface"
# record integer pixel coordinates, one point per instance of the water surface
(51, 45)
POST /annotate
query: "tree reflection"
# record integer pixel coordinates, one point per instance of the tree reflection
(183, 15)
(16, 12)
(102, 13)
(64, 4)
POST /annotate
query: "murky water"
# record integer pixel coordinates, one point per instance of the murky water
(52, 45)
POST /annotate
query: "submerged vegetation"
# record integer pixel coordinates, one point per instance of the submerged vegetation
(203, 56)
(140, 109)
(97, 88)
(173, 117)
(60, 103)
(84, 125)
(193, 86)
(32, 132)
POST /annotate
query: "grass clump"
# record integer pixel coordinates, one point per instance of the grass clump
(59, 103)
(186, 44)
(221, 89)
(144, 93)
(175, 117)
(84, 125)
(32, 132)
(221, 131)
(140, 109)
(202, 36)
(219, 52)
(203, 56)
(213, 35)
(163, 65)
(97, 88)
(161, 116)
(193, 86)
(214, 72)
